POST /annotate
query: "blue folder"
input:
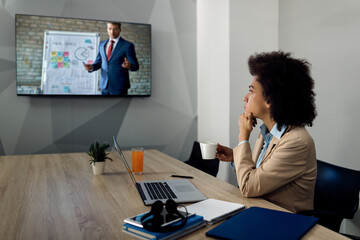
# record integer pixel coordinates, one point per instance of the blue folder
(262, 223)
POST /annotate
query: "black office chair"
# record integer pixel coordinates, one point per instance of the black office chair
(209, 166)
(336, 194)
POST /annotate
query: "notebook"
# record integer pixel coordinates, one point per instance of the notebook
(180, 190)
(261, 223)
(214, 210)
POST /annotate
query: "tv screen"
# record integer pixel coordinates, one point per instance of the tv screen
(69, 56)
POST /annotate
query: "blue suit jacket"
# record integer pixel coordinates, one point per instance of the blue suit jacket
(114, 78)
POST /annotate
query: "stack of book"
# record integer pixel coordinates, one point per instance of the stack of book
(209, 211)
(194, 222)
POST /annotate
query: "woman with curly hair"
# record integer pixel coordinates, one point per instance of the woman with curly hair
(282, 167)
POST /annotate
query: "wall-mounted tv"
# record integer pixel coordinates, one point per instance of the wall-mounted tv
(69, 56)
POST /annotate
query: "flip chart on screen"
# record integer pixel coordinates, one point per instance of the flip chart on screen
(62, 68)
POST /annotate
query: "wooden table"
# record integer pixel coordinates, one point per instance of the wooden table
(56, 196)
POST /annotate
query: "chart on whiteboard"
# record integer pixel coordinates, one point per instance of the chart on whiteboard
(64, 54)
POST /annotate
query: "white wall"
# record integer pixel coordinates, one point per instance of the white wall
(213, 73)
(327, 34)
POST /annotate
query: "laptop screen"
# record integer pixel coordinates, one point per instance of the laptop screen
(124, 159)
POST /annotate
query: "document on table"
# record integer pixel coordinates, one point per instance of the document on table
(214, 210)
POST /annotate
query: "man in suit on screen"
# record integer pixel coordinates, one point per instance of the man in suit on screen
(115, 58)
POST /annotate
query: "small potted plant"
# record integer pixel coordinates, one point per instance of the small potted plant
(98, 154)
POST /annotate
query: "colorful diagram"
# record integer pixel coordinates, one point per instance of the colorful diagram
(59, 59)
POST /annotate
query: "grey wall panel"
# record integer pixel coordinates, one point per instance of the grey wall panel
(2, 152)
(169, 126)
(166, 120)
(7, 75)
(7, 29)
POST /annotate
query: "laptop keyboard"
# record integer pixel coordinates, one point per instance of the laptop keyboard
(159, 190)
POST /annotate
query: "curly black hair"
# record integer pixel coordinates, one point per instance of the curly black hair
(287, 86)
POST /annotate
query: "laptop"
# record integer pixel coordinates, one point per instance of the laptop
(180, 190)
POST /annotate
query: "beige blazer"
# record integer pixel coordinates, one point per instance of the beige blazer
(287, 173)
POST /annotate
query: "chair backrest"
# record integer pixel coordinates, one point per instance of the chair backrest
(336, 194)
(209, 166)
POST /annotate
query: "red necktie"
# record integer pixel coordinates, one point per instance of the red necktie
(110, 49)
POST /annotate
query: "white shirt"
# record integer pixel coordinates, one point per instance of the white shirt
(267, 139)
(116, 40)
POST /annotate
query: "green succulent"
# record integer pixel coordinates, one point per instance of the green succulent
(97, 152)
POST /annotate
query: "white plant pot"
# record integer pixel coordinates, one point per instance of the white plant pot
(98, 168)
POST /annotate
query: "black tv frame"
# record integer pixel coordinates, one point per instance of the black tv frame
(144, 83)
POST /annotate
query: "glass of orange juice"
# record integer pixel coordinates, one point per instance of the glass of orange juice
(137, 160)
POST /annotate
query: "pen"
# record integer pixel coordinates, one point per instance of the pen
(181, 176)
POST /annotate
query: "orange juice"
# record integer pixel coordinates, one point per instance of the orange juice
(137, 160)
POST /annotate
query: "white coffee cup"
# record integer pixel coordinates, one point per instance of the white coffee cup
(208, 150)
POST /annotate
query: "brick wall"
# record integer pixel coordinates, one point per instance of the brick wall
(30, 42)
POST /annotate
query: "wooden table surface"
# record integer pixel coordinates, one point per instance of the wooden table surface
(56, 196)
